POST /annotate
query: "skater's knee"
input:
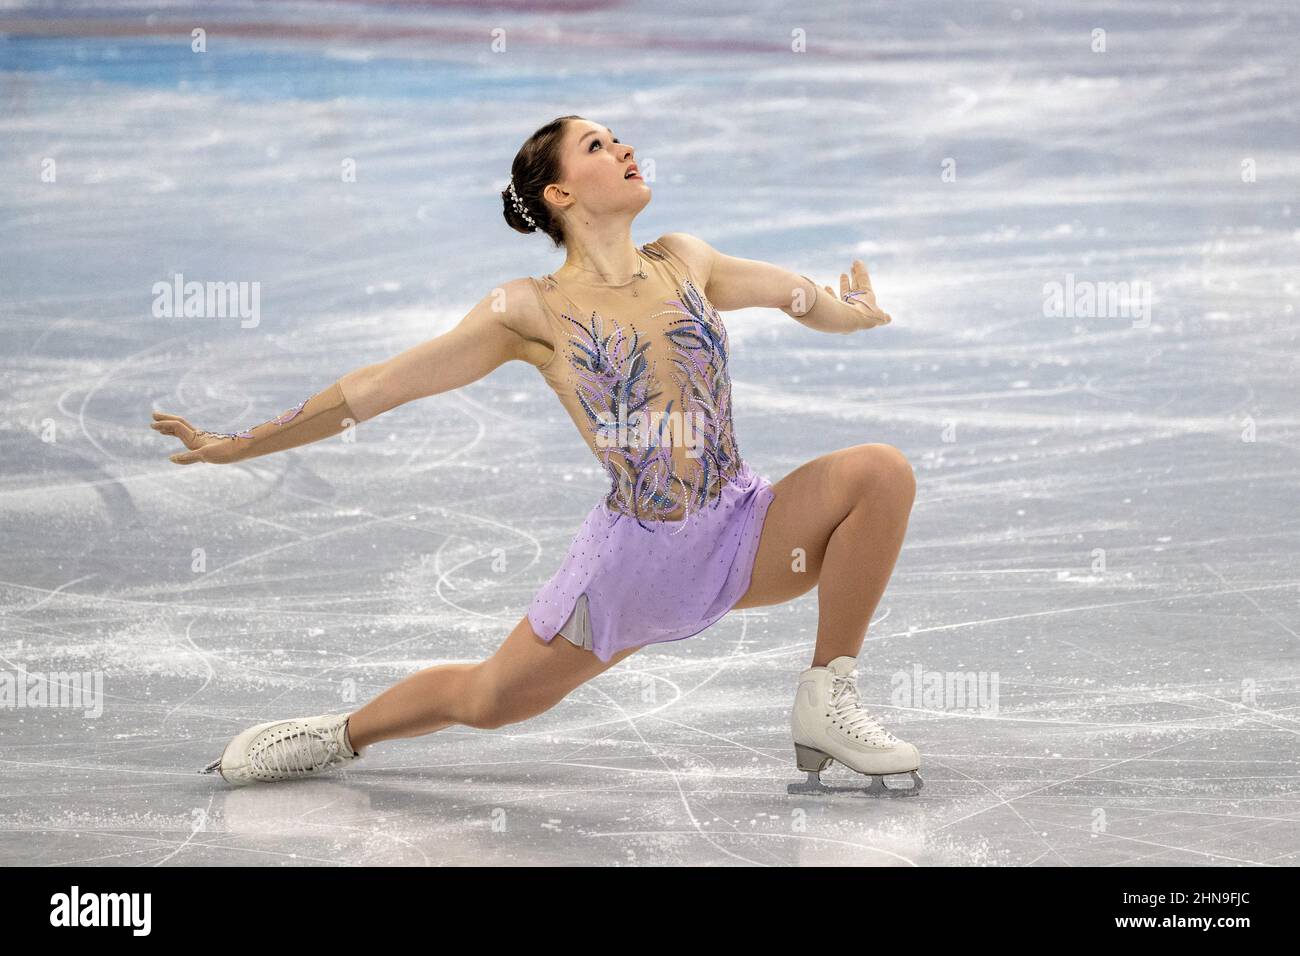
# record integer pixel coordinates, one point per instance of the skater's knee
(480, 706)
(498, 714)
(489, 705)
(885, 473)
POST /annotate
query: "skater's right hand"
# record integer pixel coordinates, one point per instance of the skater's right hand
(203, 446)
(858, 293)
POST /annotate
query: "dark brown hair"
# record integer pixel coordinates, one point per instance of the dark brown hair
(536, 166)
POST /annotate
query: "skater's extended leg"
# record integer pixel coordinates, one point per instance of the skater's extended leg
(837, 522)
(525, 677)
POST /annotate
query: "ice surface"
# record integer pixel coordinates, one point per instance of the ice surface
(1106, 521)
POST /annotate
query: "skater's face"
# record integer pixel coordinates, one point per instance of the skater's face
(596, 168)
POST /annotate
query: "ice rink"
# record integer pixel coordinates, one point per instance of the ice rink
(1083, 221)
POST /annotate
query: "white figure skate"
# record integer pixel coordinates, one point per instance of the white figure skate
(829, 723)
(285, 750)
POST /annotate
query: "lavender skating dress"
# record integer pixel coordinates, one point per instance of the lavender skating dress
(642, 370)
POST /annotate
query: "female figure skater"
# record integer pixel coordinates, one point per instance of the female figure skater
(630, 340)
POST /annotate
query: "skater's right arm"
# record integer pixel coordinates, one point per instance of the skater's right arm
(500, 327)
(496, 330)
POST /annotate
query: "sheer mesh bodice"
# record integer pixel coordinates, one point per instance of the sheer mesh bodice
(645, 379)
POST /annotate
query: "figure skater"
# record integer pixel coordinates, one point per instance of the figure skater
(630, 340)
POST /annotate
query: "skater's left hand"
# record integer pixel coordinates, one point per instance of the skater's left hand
(864, 298)
(203, 446)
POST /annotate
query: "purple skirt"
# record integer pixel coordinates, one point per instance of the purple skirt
(622, 586)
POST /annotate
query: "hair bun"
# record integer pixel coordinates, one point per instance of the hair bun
(535, 165)
(512, 215)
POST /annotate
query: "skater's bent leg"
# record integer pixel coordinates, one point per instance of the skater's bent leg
(862, 551)
(525, 677)
(807, 505)
(836, 522)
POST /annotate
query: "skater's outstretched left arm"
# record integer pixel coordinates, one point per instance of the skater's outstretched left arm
(485, 338)
(732, 282)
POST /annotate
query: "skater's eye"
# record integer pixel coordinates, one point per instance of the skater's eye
(596, 142)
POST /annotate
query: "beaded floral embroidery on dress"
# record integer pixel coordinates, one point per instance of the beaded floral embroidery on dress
(616, 378)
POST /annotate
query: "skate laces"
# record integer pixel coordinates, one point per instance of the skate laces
(848, 708)
(296, 752)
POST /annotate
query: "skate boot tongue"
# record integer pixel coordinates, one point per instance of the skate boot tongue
(296, 751)
(842, 666)
(287, 749)
(843, 671)
(848, 707)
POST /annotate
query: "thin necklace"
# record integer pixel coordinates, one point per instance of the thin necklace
(639, 274)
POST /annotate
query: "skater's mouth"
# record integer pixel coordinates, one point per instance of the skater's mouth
(632, 172)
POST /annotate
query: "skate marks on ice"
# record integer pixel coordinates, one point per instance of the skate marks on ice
(1147, 698)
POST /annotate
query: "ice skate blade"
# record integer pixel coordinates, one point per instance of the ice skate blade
(877, 787)
(213, 767)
